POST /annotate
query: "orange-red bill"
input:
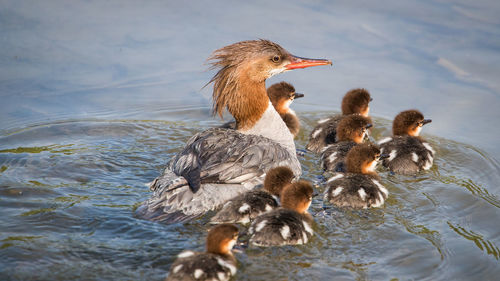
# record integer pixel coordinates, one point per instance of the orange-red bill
(298, 62)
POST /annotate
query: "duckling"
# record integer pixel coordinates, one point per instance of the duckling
(217, 263)
(247, 206)
(408, 152)
(360, 187)
(325, 133)
(351, 130)
(289, 224)
(282, 95)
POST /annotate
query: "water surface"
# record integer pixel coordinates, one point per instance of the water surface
(96, 97)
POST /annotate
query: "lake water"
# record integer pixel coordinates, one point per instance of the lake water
(97, 96)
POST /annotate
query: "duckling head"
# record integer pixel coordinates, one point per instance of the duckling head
(356, 101)
(277, 178)
(409, 122)
(353, 128)
(221, 239)
(363, 158)
(297, 196)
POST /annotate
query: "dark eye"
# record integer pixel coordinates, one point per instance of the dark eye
(276, 58)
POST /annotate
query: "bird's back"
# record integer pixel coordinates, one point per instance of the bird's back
(214, 166)
(324, 134)
(407, 155)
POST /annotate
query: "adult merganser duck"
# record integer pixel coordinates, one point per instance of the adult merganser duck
(247, 206)
(360, 187)
(218, 164)
(281, 95)
(289, 224)
(408, 153)
(217, 263)
(356, 101)
(351, 130)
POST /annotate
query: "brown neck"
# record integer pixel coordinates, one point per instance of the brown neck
(249, 102)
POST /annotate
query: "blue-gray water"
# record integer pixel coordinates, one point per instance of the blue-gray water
(97, 96)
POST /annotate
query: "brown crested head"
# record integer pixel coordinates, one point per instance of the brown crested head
(356, 101)
(363, 158)
(408, 122)
(353, 128)
(221, 239)
(243, 67)
(277, 178)
(282, 95)
(297, 196)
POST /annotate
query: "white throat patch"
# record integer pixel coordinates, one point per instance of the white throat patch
(372, 166)
(275, 71)
(417, 131)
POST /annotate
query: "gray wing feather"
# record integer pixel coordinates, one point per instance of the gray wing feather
(224, 162)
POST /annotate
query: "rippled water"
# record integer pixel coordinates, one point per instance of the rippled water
(68, 191)
(96, 96)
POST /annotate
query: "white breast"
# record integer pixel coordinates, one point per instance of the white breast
(271, 126)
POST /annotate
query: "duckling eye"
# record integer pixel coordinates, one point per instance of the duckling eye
(276, 58)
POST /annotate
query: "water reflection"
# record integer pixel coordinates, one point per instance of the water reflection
(485, 245)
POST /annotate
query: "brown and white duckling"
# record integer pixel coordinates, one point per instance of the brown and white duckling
(218, 164)
(247, 206)
(351, 130)
(217, 263)
(288, 225)
(408, 152)
(356, 101)
(282, 95)
(360, 187)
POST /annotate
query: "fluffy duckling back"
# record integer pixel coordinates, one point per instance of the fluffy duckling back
(359, 188)
(217, 263)
(356, 101)
(289, 224)
(350, 131)
(408, 152)
(247, 206)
